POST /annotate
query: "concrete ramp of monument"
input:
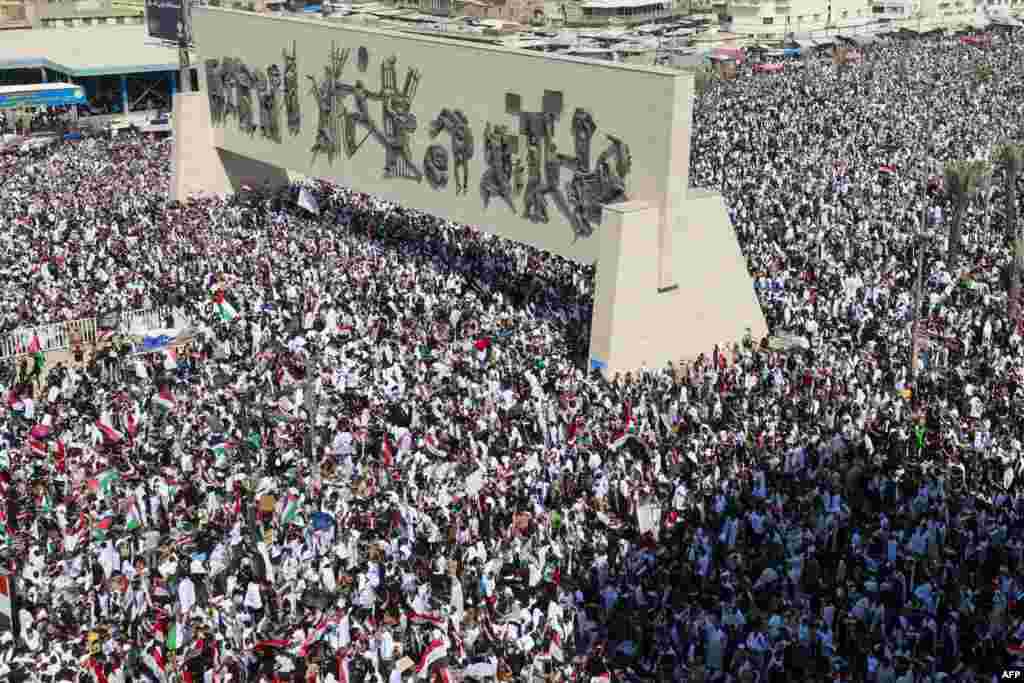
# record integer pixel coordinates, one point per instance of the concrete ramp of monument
(587, 160)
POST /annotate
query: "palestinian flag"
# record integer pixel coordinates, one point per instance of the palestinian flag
(220, 454)
(435, 652)
(172, 637)
(109, 433)
(104, 481)
(154, 660)
(554, 649)
(225, 310)
(133, 520)
(102, 526)
(164, 402)
(291, 510)
(271, 645)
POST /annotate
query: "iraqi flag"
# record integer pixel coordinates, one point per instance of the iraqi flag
(60, 457)
(108, 432)
(38, 448)
(619, 441)
(34, 346)
(132, 419)
(887, 169)
(170, 359)
(225, 311)
(417, 618)
(164, 402)
(43, 429)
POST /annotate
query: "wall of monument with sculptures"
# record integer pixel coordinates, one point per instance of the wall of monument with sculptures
(519, 144)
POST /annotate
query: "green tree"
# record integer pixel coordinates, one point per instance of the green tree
(1011, 157)
(963, 180)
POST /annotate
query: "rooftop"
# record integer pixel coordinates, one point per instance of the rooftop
(87, 52)
(607, 4)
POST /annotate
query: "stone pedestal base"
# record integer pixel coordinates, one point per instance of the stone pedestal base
(199, 167)
(711, 301)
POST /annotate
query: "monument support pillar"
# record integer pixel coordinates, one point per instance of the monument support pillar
(196, 166)
(637, 321)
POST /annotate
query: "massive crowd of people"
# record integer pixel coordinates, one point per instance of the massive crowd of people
(381, 456)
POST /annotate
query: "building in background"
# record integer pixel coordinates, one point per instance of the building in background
(119, 68)
(22, 14)
(774, 19)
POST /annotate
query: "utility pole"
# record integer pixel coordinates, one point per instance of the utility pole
(184, 42)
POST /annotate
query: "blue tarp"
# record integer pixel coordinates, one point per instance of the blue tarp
(73, 136)
(156, 343)
(43, 98)
(791, 52)
(321, 521)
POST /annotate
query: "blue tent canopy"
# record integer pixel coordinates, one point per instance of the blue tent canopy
(41, 95)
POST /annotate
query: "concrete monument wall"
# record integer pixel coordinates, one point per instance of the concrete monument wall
(588, 160)
(540, 110)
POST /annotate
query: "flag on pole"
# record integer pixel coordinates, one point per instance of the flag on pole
(308, 202)
(225, 310)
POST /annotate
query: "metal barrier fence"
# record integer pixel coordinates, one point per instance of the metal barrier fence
(59, 336)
